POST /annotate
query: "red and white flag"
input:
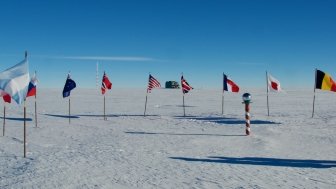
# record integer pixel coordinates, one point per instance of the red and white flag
(106, 84)
(152, 83)
(6, 97)
(185, 86)
(273, 84)
(229, 85)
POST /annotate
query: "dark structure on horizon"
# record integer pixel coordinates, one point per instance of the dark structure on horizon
(172, 85)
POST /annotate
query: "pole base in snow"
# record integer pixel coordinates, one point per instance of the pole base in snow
(248, 131)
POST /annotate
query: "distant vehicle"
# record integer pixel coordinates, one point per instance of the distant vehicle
(172, 85)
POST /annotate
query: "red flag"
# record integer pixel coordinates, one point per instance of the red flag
(7, 98)
(106, 84)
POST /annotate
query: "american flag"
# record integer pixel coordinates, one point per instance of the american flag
(152, 83)
(185, 86)
(106, 84)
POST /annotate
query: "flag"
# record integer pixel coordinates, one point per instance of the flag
(324, 81)
(69, 85)
(15, 80)
(229, 85)
(106, 84)
(5, 96)
(273, 84)
(185, 86)
(152, 83)
(32, 86)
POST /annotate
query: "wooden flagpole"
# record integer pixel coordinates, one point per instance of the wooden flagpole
(314, 92)
(267, 93)
(69, 109)
(24, 122)
(223, 96)
(4, 120)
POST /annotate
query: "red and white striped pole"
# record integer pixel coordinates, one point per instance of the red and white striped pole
(247, 101)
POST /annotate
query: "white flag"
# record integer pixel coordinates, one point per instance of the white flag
(273, 84)
(15, 80)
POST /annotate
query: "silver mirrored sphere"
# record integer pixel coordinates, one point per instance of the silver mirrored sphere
(247, 97)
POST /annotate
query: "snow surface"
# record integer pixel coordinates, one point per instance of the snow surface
(288, 149)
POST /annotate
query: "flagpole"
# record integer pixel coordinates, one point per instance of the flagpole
(69, 109)
(146, 104)
(183, 105)
(97, 75)
(24, 121)
(24, 130)
(4, 120)
(223, 97)
(35, 106)
(314, 93)
(267, 93)
(183, 97)
(104, 109)
(146, 97)
(35, 112)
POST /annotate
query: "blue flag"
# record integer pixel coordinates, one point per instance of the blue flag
(69, 85)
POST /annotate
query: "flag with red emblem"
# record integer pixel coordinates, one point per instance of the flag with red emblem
(273, 84)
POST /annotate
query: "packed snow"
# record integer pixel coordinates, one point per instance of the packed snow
(288, 149)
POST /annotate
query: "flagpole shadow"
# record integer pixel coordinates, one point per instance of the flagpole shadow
(227, 121)
(275, 162)
(62, 116)
(17, 119)
(179, 134)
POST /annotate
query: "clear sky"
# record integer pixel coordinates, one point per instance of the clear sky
(201, 38)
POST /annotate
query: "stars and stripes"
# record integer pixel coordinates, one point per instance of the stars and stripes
(152, 83)
(106, 84)
(185, 85)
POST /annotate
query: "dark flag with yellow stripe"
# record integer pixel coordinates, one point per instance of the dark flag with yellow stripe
(324, 81)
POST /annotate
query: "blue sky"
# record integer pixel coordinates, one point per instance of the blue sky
(201, 38)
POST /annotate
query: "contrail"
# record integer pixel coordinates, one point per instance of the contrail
(101, 58)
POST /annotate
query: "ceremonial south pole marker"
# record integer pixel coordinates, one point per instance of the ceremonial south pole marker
(247, 101)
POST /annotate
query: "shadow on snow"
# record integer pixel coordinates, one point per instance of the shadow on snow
(115, 115)
(17, 118)
(177, 134)
(225, 120)
(298, 163)
(95, 115)
(62, 116)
